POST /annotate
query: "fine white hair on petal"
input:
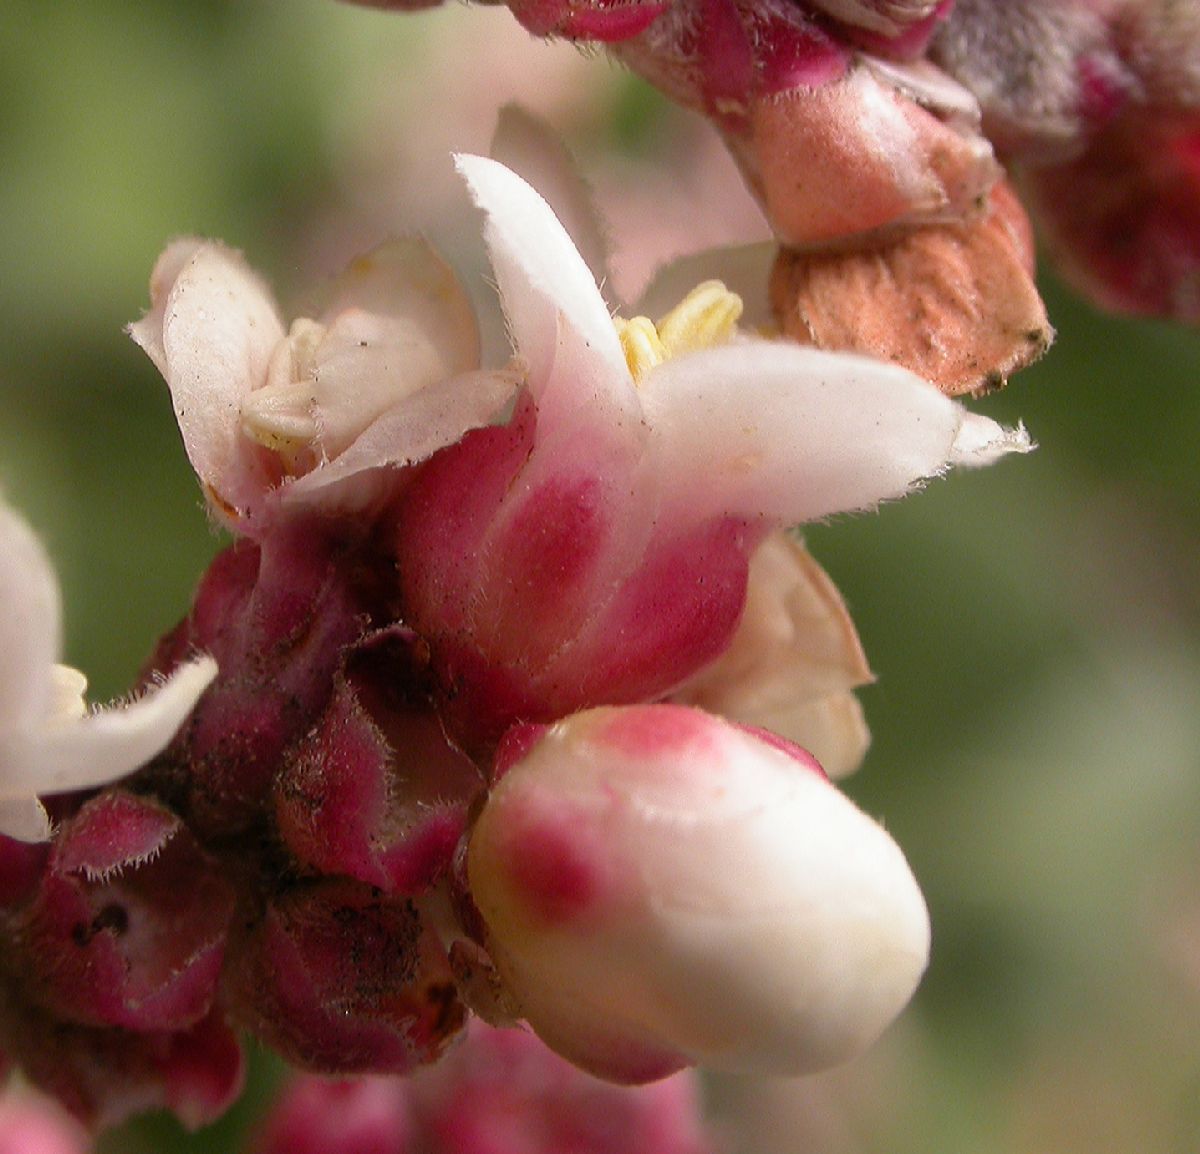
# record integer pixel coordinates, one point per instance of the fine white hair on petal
(30, 623)
(795, 434)
(556, 314)
(531, 148)
(107, 744)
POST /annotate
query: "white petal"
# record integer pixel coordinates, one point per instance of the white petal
(410, 432)
(148, 332)
(365, 366)
(215, 332)
(105, 745)
(743, 269)
(530, 148)
(794, 434)
(406, 280)
(24, 819)
(557, 318)
(30, 624)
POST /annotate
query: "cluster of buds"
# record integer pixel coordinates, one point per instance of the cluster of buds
(501, 701)
(499, 1092)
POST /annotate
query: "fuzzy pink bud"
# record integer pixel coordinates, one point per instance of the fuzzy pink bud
(374, 791)
(128, 925)
(340, 979)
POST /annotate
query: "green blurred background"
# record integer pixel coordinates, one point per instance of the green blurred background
(1035, 628)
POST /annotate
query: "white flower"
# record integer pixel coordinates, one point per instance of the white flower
(662, 888)
(272, 417)
(49, 742)
(729, 425)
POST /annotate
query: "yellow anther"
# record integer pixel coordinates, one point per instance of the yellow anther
(707, 316)
(641, 344)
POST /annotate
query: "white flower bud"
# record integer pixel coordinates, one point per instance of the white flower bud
(662, 888)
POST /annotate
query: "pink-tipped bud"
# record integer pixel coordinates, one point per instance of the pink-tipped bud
(663, 888)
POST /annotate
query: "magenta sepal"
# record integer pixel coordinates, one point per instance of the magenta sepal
(341, 979)
(104, 1075)
(375, 791)
(127, 925)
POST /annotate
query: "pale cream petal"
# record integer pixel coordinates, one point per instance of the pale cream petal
(216, 331)
(405, 280)
(794, 434)
(148, 332)
(410, 432)
(833, 729)
(70, 685)
(792, 659)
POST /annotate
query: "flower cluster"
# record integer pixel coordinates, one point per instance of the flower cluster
(498, 650)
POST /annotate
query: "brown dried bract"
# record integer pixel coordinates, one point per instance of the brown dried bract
(955, 303)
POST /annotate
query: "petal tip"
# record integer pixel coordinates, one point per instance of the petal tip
(981, 441)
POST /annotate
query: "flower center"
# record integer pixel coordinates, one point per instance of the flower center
(707, 316)
(281, 415)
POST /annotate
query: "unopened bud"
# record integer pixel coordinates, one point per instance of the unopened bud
(662, 888)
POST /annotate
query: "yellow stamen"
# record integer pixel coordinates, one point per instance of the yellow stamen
(641, 344)
(707, 316)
